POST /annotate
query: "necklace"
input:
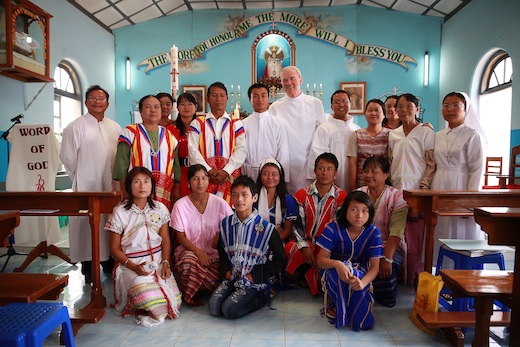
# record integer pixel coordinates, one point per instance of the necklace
(448, 155)
(199, 205)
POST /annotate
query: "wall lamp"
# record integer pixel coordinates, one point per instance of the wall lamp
(127, 73)
(426, 76)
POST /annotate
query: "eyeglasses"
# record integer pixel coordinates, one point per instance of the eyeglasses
(93, 99)
(337, 102)
(456, 106)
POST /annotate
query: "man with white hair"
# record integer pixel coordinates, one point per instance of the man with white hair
(301, 114)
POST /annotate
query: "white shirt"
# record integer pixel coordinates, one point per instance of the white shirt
(265, 138)
(333, 136)
(301, 116)
(408, 155)
(87, 151)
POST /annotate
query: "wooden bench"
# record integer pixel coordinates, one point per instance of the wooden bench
(485, 286)
(80, 317)
(452, 322)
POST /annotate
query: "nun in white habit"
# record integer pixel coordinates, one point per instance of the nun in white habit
(459, 164)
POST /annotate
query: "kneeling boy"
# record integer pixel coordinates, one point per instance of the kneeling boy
(250, 251)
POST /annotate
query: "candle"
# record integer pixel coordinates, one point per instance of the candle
(236, 113)
(238, 88)
(314, 86)
(174, 62)
(307, 86)
(231, 87)
(321, 87)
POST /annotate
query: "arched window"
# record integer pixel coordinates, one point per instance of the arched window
(498, 74)
(495, 104)
(67, 97)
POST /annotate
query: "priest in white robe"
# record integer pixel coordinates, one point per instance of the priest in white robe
(265, 134)
(301, 114)
(87, 151)
(333, 137)
(459, 166)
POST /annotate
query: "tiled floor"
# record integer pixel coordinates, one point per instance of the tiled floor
(295, 321)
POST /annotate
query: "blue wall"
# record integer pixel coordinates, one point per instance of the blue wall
(481, 26)
(82, 42)
(320, 62)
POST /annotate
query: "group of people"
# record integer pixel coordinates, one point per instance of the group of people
(326, 208)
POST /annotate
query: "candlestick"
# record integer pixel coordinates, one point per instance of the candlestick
(232, 99)
(238, 97)
(314, 91)
(307, 91)
(174, 65)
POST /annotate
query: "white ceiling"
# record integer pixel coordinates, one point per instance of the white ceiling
(112, 14)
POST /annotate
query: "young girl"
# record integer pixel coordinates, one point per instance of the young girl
(139, 238)
(275, 204)
(350, 249)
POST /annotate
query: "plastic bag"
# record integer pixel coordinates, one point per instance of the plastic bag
(426, 298)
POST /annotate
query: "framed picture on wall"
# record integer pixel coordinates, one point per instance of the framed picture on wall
(199, 93)
(357, 91)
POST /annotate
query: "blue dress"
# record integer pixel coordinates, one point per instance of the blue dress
(353, 307)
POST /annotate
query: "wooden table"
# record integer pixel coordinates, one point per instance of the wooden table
(503, 227)
(21, 287)
(8, 221)
(89, 204)
(484, 286)
(434, 203)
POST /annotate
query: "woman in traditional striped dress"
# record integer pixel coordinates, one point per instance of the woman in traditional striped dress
(150, 145)
(140, 243)
(367, 142)
(196, 219)
(390, 219)
(350, 249)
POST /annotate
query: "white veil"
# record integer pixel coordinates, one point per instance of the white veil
(471, 120)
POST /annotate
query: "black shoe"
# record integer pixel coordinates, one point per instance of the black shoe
(86, 270)
(108, 265)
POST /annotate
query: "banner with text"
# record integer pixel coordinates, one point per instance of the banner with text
(305, 27)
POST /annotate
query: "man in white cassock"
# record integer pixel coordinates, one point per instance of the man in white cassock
(332, 136)
(87, 151)
(265, 134)
(301, 114)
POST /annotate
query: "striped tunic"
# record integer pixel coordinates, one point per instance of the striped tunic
(353, 308)
(363, 146)
(159, 162)
(220, 147)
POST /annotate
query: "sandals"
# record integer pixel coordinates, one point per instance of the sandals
(447, 296)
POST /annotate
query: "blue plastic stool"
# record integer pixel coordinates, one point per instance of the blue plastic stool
(29, 324)
(466, 262)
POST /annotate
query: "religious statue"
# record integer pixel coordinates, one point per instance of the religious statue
(273, 57)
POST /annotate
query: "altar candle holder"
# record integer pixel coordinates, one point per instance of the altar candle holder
(232, 94)
(314, 91)
(272, 93)
(238, 98)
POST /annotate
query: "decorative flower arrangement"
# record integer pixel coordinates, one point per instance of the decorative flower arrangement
(244, 114)
(271, 81)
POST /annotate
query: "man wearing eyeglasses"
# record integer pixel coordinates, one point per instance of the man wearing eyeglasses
(88, 149)
(332, 136)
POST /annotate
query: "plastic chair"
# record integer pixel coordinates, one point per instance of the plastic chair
(29, 324)
(465, 261)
